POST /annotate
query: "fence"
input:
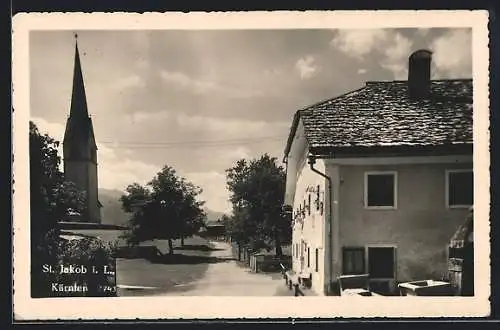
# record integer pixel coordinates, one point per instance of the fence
(241, 253)
(259, 262)
(269, 263)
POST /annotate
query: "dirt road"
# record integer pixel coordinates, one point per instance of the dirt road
(227, 278)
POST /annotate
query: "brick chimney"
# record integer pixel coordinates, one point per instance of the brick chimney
(419, 74)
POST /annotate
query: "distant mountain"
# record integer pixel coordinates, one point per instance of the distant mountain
(213, 216)
(111, 211)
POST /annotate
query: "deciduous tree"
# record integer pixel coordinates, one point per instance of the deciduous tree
(167, 208)
(51, 199)
(257, 192)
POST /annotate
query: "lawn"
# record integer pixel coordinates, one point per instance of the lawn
(168, 273)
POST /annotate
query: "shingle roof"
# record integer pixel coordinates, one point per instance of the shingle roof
(381, 114)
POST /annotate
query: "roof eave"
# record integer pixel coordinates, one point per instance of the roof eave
(293, 129)
(396, 150)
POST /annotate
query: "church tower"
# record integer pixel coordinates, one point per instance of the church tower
(79, 147)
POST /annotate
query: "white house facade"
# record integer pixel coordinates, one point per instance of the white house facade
(380, 179)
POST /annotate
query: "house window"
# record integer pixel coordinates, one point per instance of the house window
(459, 188)
(309, 204)
(308, 258)
(316, 261)
(381, 190)
(353, 260)
(381, 262)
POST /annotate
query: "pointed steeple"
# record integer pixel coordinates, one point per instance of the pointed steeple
(78, 96)
(79, 137)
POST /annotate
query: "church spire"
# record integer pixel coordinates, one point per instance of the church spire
(78, 96)
(79, 129)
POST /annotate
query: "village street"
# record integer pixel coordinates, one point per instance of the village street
(216, 275)
(229, 279)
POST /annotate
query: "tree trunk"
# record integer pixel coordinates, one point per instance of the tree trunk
(182, 241)
(239, 252)
(170, 246)
(279, 250)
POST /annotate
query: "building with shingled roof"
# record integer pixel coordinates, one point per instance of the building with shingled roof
(379, 179)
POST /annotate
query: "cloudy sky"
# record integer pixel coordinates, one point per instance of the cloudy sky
(200, 100)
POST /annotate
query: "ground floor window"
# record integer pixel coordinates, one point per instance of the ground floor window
(378, 261)
(353, 260)
(381, 262)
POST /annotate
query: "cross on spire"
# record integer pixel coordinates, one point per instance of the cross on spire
(78, 97)
(79, 129)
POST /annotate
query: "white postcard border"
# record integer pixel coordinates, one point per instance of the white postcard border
(26, 308)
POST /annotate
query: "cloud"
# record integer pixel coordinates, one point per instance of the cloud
(117, 171)
(397, 47)
(230, 127)
(392, 47)
(132, 81)
(272, 72)
(423, 31)
(114, 172)
(358, 43)
(185, 81)
(140, 117)
(306, 67)
(54, 130)
(453, 54)
(399, 70)
(237, 154)
(396, 56)
(204, 87)
(142, 63)
(227, 156)
(214, 193)
(361, 71)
